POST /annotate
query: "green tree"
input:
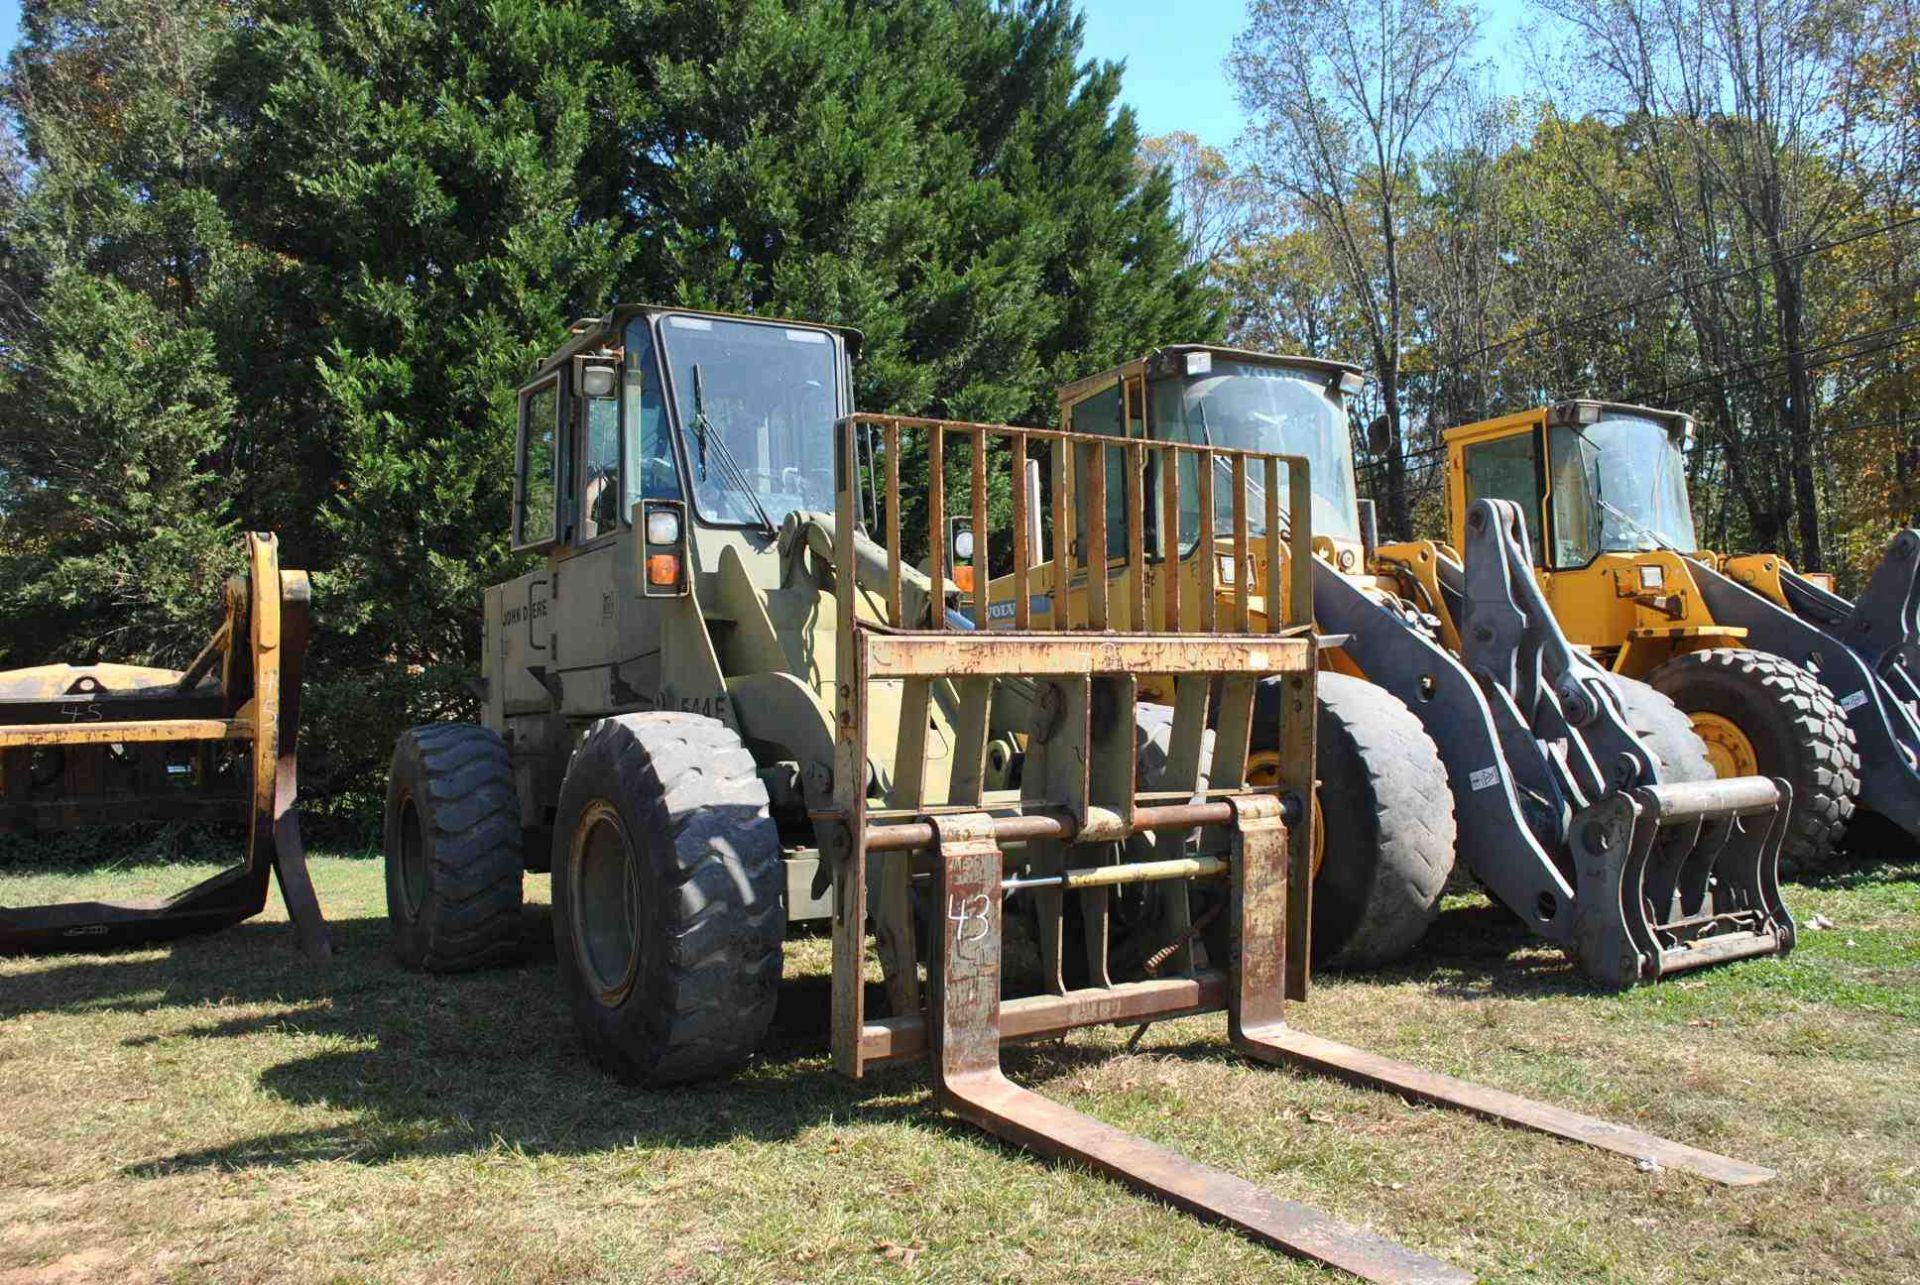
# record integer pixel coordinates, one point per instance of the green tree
(374, 216)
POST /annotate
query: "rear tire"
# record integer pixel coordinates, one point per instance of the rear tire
(1796, 731)
(1386, 814)
(452, 839)
(667, 884)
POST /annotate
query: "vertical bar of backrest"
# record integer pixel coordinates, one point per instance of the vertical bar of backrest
(1170, 538)
(1136, 537)
(1204, 550)
(1022, 555)
(979, 497)
(1242, 567)
(1271, 487)
(937, 521)
(891, 444)
(1062, 534)
(1300, 529)
(1095, 554)
(849, 774)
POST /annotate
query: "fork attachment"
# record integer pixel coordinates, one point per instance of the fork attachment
(968, 1079)
(1146, 903)
(90, 744)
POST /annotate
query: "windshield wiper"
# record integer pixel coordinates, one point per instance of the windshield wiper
(703, 431)
(1636, 523)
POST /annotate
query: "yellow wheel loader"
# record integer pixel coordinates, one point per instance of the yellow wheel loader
(95, 744)
(1581, 799)
(725, 702)
(1778, 675)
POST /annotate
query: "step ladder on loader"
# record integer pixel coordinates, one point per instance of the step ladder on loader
(1078, 831)
(84, 745)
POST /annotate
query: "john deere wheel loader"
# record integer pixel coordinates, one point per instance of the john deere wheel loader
(1581, 799)
(1758, 658)
(716, 709)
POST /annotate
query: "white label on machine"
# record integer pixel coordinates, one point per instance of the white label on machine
(1485, 779)
(1854, 701)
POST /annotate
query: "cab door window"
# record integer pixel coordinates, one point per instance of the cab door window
(600, 470)
(1507, 468)
(536, 516)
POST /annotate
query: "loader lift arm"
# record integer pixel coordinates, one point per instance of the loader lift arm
(1863, 651)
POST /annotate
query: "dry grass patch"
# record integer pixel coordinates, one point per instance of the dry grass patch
(219, 1111)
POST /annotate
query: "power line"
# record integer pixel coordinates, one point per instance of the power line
(1656, 297)
(1890, 333)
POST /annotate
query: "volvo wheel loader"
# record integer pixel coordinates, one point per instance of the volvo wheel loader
(1778, 675)
(724, 702)
(109, 744)
(1582, 800)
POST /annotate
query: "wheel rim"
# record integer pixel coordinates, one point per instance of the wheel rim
(1263, 771)
(1728, 748)
(413, 859)
(605, 902)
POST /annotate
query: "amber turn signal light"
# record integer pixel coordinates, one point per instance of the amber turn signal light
(663, 569)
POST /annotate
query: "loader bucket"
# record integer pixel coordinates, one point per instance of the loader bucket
(100, 744)
(1066, 838)
(1675, 877)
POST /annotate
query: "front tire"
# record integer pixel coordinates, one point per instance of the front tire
(667, 913)
(1386, 817)
(452, 840)
(1763, 714)
(1665, 730)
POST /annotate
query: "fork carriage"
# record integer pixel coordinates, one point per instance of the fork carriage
(1202, 851)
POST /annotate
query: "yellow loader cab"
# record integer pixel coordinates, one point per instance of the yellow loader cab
(1603, 490)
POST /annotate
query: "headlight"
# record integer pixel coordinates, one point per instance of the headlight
(1229, 572)
(963, 546)
(596, 380)
(663, 527)
(1653, 576)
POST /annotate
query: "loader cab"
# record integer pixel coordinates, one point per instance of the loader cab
(730, 418)
(1592, 478)
(1603, 487)
(1213, 396)
(657, 453)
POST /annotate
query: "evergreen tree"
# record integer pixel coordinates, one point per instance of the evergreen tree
(368, 220)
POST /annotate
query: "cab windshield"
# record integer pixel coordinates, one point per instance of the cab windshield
(1259, 407)
(756, 404)
(1619, 486)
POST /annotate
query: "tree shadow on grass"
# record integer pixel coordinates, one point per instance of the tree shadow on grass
(437, 1065)
(458, 1064)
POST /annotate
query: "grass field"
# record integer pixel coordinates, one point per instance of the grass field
(218, 1110)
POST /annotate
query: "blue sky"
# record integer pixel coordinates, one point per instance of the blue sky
(1174, 54)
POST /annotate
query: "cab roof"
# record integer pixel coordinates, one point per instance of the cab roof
(587, 333)
(1573, 410)
(1165, 361)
